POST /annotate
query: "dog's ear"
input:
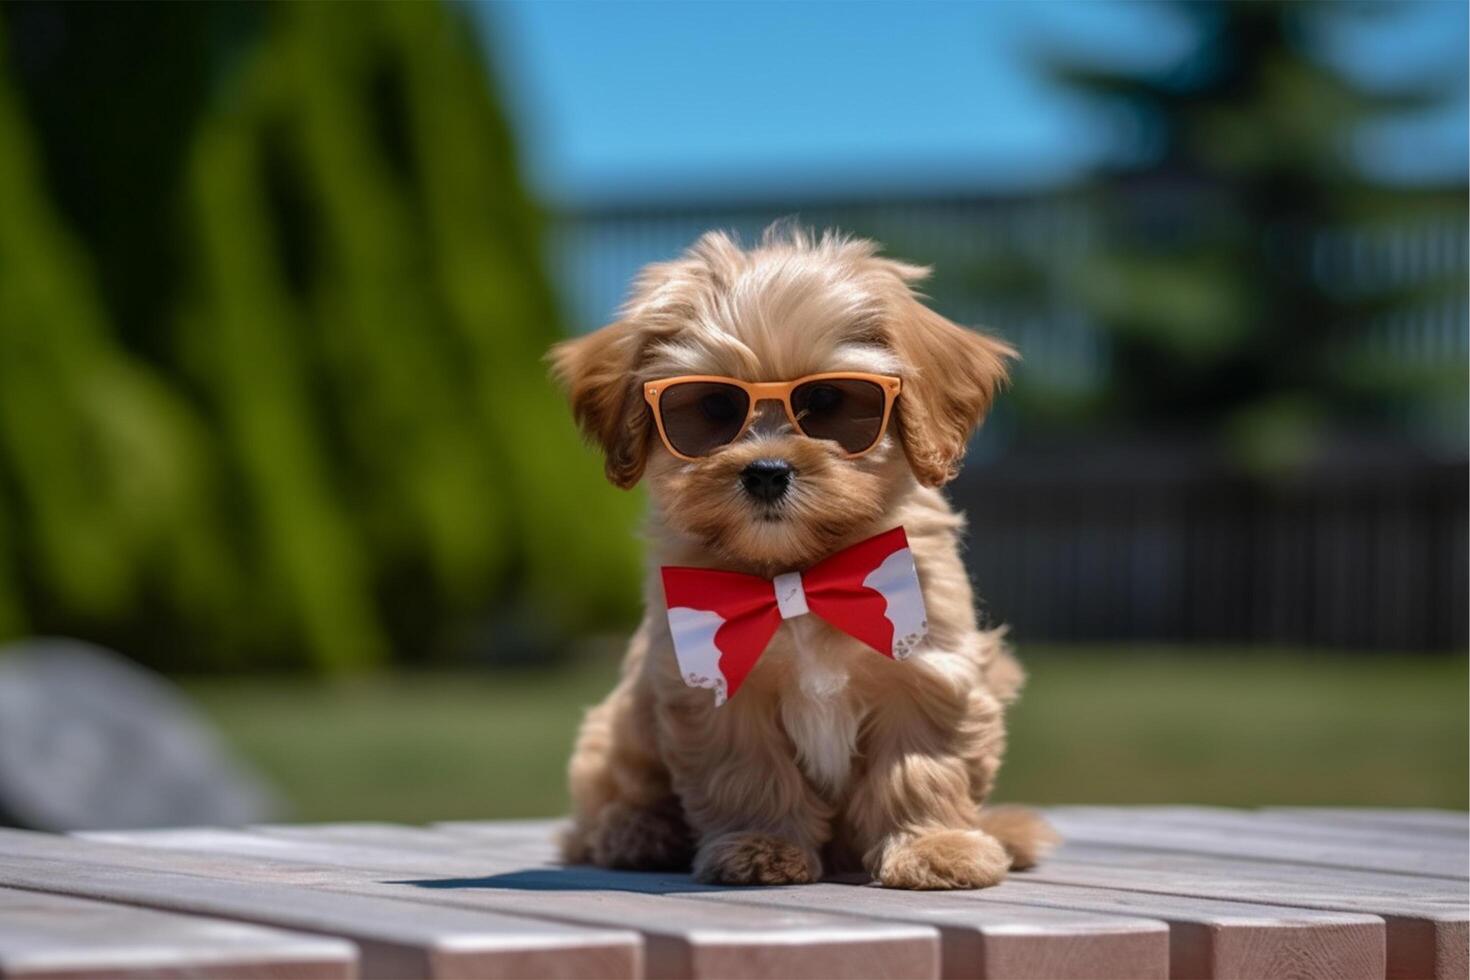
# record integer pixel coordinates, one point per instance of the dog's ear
(951, 375)
(599, 372)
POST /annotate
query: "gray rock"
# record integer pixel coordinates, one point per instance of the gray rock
(89, 740)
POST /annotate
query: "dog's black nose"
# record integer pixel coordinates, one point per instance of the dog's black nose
(766, 479)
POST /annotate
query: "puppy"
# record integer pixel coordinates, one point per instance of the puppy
(831, 758)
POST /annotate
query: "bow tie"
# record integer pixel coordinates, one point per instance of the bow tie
(722, 621)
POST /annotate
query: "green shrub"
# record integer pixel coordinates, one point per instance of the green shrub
(316, 429)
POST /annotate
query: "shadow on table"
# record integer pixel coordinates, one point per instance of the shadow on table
(586, 879)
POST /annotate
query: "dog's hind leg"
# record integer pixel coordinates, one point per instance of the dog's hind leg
(1023, 832)
(624, 813)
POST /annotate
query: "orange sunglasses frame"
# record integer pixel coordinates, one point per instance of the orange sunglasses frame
(771, 391)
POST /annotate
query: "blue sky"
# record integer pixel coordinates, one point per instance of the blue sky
(619, 102)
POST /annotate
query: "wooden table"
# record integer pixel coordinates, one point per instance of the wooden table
(1140, 892)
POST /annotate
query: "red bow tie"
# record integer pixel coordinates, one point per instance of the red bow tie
(722, 621)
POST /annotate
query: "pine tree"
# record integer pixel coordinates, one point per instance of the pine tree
(1207, 271)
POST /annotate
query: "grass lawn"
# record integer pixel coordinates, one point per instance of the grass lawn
(1094, 725)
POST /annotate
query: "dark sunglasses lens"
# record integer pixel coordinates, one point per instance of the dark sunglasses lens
(847, 411)
(701, 416)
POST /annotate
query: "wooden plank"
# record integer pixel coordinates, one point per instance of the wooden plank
(493, 829)
(1315, 943)
(1427, 928)
(1121, 831)
(52, 937)
(1204, 939)
(1207, 938)
(1279, 827)
(394, 938)
(683, 936)
(537, 840)
(1451, 823)
(1310, 877)
(995, 939)
(1214, 938)
(1425, 917)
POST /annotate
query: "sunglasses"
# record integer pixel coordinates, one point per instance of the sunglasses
(697, 414)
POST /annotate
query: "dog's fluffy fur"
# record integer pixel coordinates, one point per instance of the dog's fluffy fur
(831, 758)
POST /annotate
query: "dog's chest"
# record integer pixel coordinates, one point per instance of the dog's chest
(818, 710)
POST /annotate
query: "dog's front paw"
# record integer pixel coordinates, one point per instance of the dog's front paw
(755, 859)
(943, 859)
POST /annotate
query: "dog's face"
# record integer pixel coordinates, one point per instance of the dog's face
(775, 498)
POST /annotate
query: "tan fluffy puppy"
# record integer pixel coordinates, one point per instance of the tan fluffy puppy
(831, 758)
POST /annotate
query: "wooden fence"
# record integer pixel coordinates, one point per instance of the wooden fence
(1166, 544)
